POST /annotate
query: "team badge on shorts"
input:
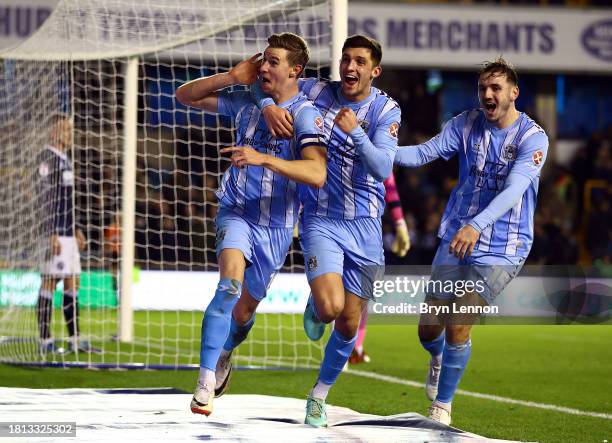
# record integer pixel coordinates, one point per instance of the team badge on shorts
(510, 152)
(60, 265)
(537, 157)
(312, 263)
(394, 129)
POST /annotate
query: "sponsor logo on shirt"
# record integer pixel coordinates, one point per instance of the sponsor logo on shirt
(490, 177)
(260, 145)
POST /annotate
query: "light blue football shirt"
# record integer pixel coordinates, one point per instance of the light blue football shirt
(254, 192)
(487, 154)
(350, 192)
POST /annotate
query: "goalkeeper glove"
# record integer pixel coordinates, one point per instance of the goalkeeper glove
(401, 244)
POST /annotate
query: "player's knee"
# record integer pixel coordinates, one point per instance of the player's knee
(329, 310)
(71, 284)
(242, 313)
(347, 327)
(48, 284)
(231, 264)
(429, 332)
(326, 316)
(457, 334)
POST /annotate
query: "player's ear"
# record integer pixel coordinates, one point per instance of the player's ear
(376, 71)
(295, 71)
(515, 92)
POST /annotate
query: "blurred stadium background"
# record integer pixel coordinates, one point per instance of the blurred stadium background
(565, 78)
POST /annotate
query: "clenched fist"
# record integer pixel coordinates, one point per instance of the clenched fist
(346, 120)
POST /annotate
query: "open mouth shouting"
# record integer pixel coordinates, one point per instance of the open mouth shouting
(265, 82)
(351, 80)
(489, 108)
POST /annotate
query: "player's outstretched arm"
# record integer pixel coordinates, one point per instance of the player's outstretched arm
(201, 93)
(311, 170)
(445, 145)
(415, 155)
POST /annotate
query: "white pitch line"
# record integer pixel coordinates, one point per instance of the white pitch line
(531, 404)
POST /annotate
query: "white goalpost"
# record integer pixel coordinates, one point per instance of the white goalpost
(145, 169)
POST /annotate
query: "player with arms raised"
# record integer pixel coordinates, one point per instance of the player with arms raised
(258, 193)
(487, 227)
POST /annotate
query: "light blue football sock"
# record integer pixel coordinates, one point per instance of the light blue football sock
(238, 333)
(337, 353)
(216, 321)
(436, 346)
(454, 361)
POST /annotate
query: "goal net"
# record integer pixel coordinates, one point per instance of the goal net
(143, 169)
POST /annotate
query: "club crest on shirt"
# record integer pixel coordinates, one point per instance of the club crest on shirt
(312, 263)
(319, 123)
(43, 170)
(365, 125)
(537, 157)
(510, 152)
(394, 129)
(476, 147)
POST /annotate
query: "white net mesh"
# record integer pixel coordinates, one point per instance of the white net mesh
(75, 65)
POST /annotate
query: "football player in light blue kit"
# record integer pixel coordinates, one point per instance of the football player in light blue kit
(340, 227)
(258, 194)
(487, 228)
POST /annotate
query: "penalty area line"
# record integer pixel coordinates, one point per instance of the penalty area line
(530, 404)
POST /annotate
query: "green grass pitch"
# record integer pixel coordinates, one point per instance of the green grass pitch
(566, 366)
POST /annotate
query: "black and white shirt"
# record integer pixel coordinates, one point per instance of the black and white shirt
(56, 190)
